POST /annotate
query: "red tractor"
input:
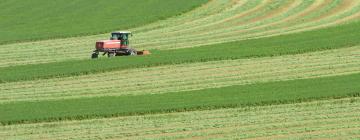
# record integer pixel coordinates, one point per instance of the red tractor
(118, 45)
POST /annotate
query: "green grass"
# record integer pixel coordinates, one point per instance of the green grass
(237, 123)
(329, 38)
(43, 19)
(233, 96)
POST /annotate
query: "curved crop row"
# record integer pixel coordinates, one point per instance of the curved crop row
(186, 77)
(215, 22)
(302, 120)
(279, 19)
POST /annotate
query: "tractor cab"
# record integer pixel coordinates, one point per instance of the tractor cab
(123, 36)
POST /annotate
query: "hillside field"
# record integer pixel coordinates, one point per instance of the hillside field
(231, 69)
(68, 18)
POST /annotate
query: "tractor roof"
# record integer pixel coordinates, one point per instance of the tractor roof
(122, 32)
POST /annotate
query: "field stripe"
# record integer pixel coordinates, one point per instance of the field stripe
(212, 8)
(264, 14)
(187, 77)
(231, 26)
(240, 33)
(261, 11)
(199, 17)
(208, 27)
(270, 93)
(277, 121)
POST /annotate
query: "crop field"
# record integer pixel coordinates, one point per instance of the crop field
(185, 77)
(171, 33)
(231, 69)
(81, 17)
(301, 120)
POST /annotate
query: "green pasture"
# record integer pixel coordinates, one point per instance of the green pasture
(43, 19)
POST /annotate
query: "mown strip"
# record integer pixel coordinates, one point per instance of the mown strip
(187, 77)
(341, 36)
(233, 96)
(301, 120)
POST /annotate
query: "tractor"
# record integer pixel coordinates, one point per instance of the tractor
(118, 45)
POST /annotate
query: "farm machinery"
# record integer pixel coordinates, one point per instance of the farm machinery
(118, 45)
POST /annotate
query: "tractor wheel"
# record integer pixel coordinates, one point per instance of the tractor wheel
(132, 52)
(94, 55)
(111, 54)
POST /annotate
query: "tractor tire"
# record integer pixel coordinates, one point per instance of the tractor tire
(94, 55)
(111, 54)
(132, 52)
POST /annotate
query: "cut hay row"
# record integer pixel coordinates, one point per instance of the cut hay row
(260, 15)
(206, 14)
(215, 22)
(187, 77)
(241, 15)
(318, 119)
(250, 31)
